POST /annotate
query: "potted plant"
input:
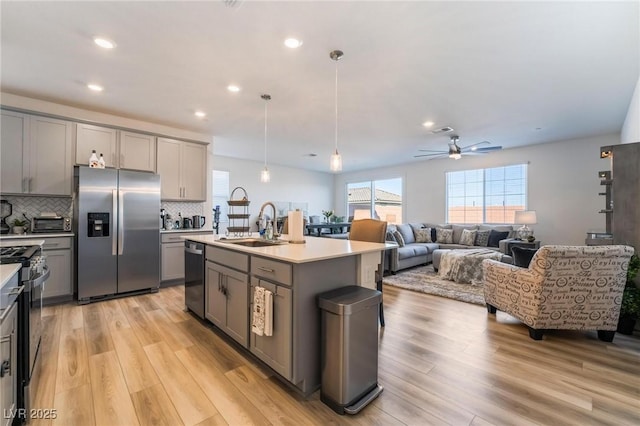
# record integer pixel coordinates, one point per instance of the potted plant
(18, 226)
(630, 308)
(327, 215)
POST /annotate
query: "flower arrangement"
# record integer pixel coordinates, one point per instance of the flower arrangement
(327, 215)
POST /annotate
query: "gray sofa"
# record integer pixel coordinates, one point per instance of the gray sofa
(413, 253)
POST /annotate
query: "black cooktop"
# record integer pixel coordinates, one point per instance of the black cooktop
(18, 254)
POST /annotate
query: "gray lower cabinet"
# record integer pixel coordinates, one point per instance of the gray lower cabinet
(227, 295)
(275, 350)
(172, 254)
(9, 358)
(59, 252)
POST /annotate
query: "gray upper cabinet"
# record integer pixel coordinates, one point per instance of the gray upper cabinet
(137, 151)
(182, 169)
(121, 149)
(36, 155)
(101, 139)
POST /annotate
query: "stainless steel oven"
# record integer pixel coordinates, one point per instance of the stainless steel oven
(33, 275)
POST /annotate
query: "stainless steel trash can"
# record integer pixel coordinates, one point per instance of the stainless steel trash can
(349, 348)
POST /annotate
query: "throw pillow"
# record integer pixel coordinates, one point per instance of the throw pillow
(423, 235)
(482, 238)
(444, 236)
(522, 256)
(399, 238)
(468, 237)
(495, 237)
(390, 237)
(407, 233)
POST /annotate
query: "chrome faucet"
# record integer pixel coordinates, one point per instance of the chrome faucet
(274, 222)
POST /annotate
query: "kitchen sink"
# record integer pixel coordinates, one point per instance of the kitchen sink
(253, 242)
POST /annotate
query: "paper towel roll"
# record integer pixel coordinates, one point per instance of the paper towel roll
(296, 226)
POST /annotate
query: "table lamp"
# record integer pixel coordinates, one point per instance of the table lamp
(525, 217)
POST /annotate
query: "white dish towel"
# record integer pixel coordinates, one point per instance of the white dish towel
(268, 313)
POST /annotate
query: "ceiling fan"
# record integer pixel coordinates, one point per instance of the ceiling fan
(456, 151)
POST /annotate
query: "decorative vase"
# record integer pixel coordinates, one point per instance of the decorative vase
(18, 230)
(626, 324)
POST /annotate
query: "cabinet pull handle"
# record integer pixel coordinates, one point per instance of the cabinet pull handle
(50, 245)
(30, 179)
(262, 268)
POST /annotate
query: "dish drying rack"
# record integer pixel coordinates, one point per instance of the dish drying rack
(238, 213)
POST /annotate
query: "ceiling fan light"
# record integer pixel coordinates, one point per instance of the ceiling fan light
(455, 155)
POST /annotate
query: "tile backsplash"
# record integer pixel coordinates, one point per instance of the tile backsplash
(186, 209)
(34, 206)
(63, 206)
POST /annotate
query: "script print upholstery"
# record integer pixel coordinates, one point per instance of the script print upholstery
(565, 287)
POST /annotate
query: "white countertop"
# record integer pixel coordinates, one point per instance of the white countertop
(21, 242)
(35, 236)
(315, 248)
(173, 231)
(7, 271)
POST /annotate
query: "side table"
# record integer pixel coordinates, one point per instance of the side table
(509, 244)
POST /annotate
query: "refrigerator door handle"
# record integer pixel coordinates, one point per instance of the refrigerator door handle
(114, 212)
(120, 222)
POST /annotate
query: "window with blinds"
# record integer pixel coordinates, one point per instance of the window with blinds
(221, 193)
(486, 195)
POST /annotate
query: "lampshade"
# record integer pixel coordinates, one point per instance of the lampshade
(526, 217)
(265, 176)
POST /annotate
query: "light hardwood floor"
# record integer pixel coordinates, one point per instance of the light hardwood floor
(143, 361)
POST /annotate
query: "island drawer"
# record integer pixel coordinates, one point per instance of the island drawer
(271, 269)
(229, 258)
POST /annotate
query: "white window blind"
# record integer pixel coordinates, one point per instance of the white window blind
(221, 193)
(486, 195)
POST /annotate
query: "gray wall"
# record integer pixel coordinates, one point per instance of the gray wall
(563, 185)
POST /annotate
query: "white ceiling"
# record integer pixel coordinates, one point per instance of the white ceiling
(492, 70)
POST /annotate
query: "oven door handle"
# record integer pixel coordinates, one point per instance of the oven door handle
(40, 279)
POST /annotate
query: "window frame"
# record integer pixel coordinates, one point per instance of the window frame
(485, 179)
(371, 185)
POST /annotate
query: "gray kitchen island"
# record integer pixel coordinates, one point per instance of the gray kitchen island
(295, 274)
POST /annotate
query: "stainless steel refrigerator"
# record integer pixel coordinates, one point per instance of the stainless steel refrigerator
(118, 232)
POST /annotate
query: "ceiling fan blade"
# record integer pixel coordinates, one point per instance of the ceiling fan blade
(439, 151)
(488, 148)
(442, 154)
(470, 147)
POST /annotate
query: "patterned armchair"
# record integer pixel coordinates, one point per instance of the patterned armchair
(564, 288)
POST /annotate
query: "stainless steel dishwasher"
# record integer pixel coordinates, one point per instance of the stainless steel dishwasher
(194, 277)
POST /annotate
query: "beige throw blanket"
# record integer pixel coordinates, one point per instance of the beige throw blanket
(262, 315)
(465, 266)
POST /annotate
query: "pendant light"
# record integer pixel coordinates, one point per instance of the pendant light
(336, 158)
(265, 177)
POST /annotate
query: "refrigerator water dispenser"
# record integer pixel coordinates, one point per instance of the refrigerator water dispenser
(98, 224)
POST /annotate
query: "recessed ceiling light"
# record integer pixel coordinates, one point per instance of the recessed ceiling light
(200, 114)
(233, 88)
(95, 87)
(293, 43)
(104, 43)
(428, 123)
